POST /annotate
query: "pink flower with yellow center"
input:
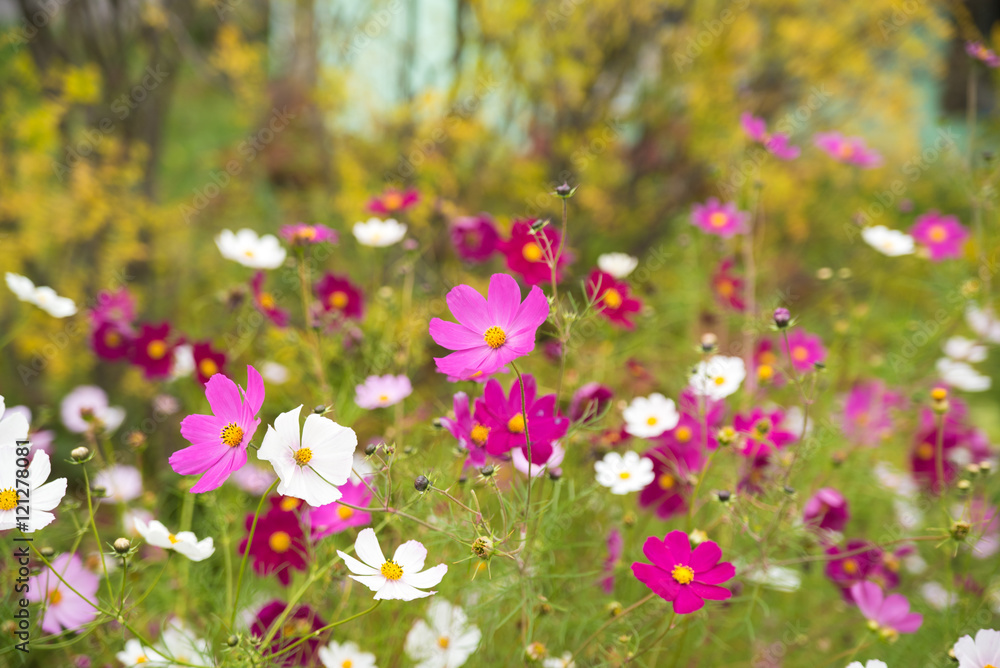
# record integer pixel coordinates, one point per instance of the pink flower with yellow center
(301, 234)
(529, 254)
(338, 295)
(727, 286)
(611, 298)
(392, 201)
(723, 220)
(777, 144)
(982, 53)
(153, 350)
(336, 517)
(804, 350)
(207, 362)
(849, 150)
(266, 302)
(943, 236)
(683, 576)
(64, 608)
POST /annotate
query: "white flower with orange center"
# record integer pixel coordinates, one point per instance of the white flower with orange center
(618, 265)
(445, 640)
(27, 506)
(718, 377)
(310, 466)
(134, 654)
(379, 233)
(888, 242)
(983, 652)
(250, 250)
(648, 417)
(184, 542)
(626, 473)
(345, 655)
(400, 578)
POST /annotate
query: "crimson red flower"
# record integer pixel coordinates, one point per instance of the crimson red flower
(278, 542)
(527, 252)
(265, 302)
(207, 362)
(684, 577)
(338, 294)
(153, 350)
(475, 238)
(111, 341)
(611, 298)
(300, 624)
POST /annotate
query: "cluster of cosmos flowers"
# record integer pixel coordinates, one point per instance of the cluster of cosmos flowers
(316, 482)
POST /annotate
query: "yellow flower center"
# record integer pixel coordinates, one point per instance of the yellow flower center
(765, 372)
(845, 150)
(495, 337)
(665, 481)
(307, 233)
(267, 300)
(624, 475)
(800, 353)
(55, 596)
(937, 233)
(392, 201)
(173, 539)
(925, 451)
(651, 420)
(850, 566)
(232, 435)
(683, 574)
(383, 398)
(208, 367)
(479, 434)
(280, 541)
(302, 456)
(391, 570)
(248, 253)
(515, 425)
(769, 358)
(718, 219)
(289, 503)
(347, 663)
(719, 380)
(344, 513)
(612, 298)
(141, 659)
(443, 642)
(156, 349)
(338, 299)
(531, 252)
(8, 499)
(112, 338)
(939, 394)
(683, 434)
(725, 287)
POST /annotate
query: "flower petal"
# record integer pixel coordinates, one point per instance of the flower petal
(367, 548)
(687, 601)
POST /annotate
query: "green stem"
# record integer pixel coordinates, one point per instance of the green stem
(318, 632)
(97, 537)
(246, 554)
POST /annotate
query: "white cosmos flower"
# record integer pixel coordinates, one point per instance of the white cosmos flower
(43, 297)
(445, 640)
(377, 232)
(982, 652)
(338, 655)
(130, 516)
(313, 466)
(937, 596)
(89, 401)
(135, 654)
(964, 350)
(250, 250)
(888, 242)
(13, 426)
(618, 265)
(648, 417)
(400, 578)
(961, 376)
(624, 474)
(274, 373)
(183, 365)
(564, 661)
(983, 322)
(121, 483)
(179, 645)
(872, 663)
(42, 496)
(184, 542)
(778, 578)
(718, 377)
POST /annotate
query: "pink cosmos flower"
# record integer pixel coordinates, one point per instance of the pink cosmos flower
(863, 561)
(339, 295)
(960, 443)
(117, 308)
(393, 201)
(111, 341)
(890, 613)
(611, 298)
(64, 608)
(670, 488)
(86, 406)
(762, 431)
(765, 364)
(527, 253)
(850, 150)
(219, 441)
(616, 547)
(382, 391)
(471, 435)
(723, 220)
(153, 350)
(728, 286)
(301, 234)
(943, 235)
(336, 517)
(475, 238)
(827, 509)
(589, 402)
(504, 418)
(684, 577)
(980, 52)
(265, 302)
(279, 544)
(490, 332)
(804, 350)
(207, 362)
(867, 412)
(756, 129)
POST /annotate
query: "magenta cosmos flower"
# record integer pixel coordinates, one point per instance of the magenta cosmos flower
(490, 332)
(849, 150)
(265, 301)
(337, 294)
(890, 614)
(279, 544)
(382, 391)
(64, 609)
(471, 435)
(505, 420)
(336, 517)
(728, 286)
(297, 626)
(475, 238)
(114, 307)
(393, 201)
(867, 412)
(219, 441)
(827, 509)
(590, 401)
(111, 341)
(960, 443)
(982, 53)
(672, 465)
(777, 144)
(611, 298)
(723, 220)
(616, 547)
(684, 577)
(153, 350)
(804, 350)
(207, 362)
(762, 432)
(943, 235)
(528, 254)
(856, 562)
(301, 234)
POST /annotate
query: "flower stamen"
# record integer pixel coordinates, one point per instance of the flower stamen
(683, 574)
(391, 570)
(232, 434)
(495, 337)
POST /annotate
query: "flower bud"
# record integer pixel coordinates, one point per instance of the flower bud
(232, 641)
(79, 454)
(963, 485)
(782, 317)
(537, 225)
(726, 436)
(565, 191)
(985, 466)
(790, 491)
(371, 449)
(629, 519)
(421, 483)
(47, 552)
(974, 469)
(959, 530)
(122, 546)
(487, 470)
(482, 547)
(709, 342)
(614, 608)
(724, 496)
